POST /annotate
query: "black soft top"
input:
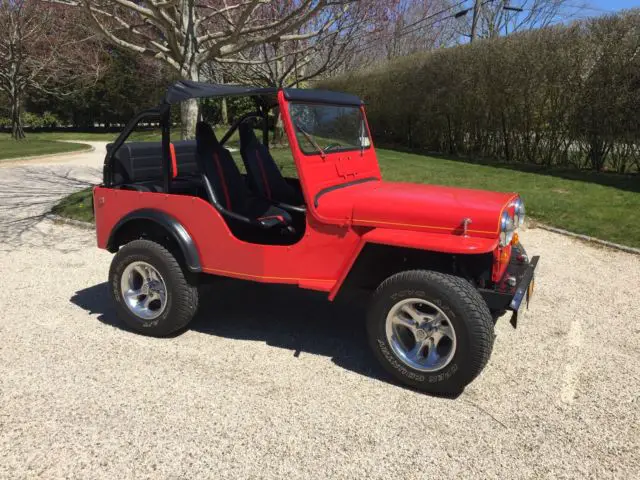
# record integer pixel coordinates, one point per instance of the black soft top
(186, 89)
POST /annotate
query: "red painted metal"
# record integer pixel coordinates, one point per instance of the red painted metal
(174, 162)
(315, 261)
(340, 221)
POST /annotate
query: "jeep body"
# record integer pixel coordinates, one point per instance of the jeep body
(351, 230)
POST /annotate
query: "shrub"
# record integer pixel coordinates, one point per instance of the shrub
(46, 120)
(559, 96)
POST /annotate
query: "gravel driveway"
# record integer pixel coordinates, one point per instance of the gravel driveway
(278, 383)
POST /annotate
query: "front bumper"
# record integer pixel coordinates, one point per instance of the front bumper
(510, 295)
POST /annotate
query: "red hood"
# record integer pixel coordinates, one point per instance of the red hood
(416, 207)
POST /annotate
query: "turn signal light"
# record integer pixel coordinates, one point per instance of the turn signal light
(515, 240)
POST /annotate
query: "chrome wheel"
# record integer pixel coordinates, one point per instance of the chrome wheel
(420, 335)
(143, 290)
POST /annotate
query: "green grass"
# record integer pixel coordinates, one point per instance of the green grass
(604, 206)
(139, 136)
(33, 146)
(76, 206)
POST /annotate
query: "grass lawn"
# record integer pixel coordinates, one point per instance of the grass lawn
(76, 206)
(604, 206)
(141, 136)
(137, 136)
(33, 146)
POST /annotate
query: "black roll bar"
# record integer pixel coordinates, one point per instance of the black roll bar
(165, 122)
(236, 124)
(107, 169)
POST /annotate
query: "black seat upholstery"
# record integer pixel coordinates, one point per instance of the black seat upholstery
(228, 185)
(136, 162)
(263, 173)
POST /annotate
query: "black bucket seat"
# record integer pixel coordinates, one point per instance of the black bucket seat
(263, 174)
(226, 187)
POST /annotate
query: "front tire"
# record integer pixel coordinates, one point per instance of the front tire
(152, 293)
(430, 330)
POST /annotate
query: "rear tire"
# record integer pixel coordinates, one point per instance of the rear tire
(140, 272)
(430, 330)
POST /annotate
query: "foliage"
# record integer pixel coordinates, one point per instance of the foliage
(44, 49)
(186, 35)
(128, 85)
(211, 109)
(46, 120)
(558, 96)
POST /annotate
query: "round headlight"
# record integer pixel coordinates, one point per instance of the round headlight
(507, 228)
(519, 211)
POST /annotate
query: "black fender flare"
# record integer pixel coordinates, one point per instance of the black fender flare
(168, 223)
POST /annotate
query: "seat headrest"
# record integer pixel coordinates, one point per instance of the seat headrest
(247, 135)
(205, 138)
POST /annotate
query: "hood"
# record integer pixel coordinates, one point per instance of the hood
(417, 207)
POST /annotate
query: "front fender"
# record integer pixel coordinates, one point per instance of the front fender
(434, 242)
(431, 242)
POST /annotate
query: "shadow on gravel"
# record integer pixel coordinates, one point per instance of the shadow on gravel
(27, 194)
(281, 316)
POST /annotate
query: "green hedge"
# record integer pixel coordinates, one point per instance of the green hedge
(46, 120)
(560, 96)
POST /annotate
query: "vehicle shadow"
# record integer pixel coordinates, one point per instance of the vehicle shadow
(281, 316)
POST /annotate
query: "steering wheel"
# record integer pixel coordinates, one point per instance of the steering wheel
(332, 146)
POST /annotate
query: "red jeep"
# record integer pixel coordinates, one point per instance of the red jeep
(441, 264)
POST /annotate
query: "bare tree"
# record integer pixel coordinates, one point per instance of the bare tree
(288, 63)
(502, 17)
(186, 34)
(401, 28)
(418, 26)
(280, 63)
(41, 48)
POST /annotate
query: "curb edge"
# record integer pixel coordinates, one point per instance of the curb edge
(586, 238)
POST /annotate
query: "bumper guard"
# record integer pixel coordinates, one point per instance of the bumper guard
(514, 298)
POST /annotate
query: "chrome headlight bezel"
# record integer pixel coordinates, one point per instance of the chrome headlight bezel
(518, 212)
(507, 229)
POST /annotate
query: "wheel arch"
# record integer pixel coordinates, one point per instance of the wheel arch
(382, 253)
(158, 225)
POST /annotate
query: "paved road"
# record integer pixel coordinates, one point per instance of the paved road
(273, 383)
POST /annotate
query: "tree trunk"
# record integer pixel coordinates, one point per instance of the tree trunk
(17, 130)
(505, 136)
(224, 112)
(278, 129)
(189, 108)
(188, 118)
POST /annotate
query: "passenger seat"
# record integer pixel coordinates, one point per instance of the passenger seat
(263, 173)
(227, 183)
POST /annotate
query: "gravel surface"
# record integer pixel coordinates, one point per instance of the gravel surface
(272, 382)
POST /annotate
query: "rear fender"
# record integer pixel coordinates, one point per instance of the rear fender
(382, 252)
(167, 223)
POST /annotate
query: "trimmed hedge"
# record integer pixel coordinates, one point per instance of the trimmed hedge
(564, 96)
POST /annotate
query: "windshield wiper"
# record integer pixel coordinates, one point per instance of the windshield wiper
(311, 140)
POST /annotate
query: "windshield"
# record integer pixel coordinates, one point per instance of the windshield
(329, 128)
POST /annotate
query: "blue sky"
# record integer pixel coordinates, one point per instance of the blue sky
(611, 5)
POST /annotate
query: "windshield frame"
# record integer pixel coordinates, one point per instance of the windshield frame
(323, 152)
